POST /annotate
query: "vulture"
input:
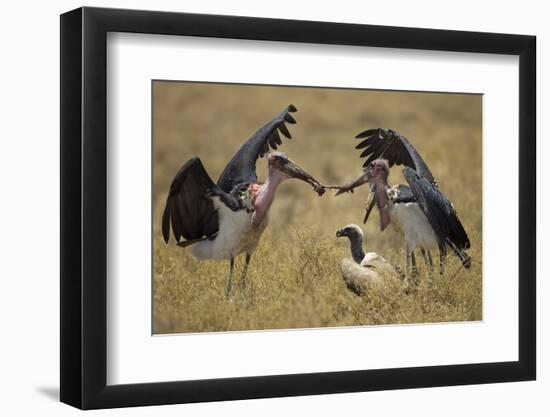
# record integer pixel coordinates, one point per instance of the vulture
(364, 271)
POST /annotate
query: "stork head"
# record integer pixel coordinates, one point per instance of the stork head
(276, 160)
(283, 168)
(351, 231)
(375, 172)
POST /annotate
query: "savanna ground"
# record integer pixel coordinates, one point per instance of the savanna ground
(294, 279)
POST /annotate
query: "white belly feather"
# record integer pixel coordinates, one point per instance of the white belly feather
(235, 235)
(409, 218)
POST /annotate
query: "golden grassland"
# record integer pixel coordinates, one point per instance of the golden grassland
(294, 279)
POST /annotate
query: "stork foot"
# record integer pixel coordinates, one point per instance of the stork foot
(407, 288)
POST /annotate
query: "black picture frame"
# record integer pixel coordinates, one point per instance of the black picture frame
(84, 207)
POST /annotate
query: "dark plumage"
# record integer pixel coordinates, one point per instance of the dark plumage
(395, 148)
(440, 214)
(384, 148)
(189, 206)
(189, 209)
(242, 167)
(226, 219)
(403, 195)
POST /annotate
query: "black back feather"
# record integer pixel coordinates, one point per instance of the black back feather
(404, 195)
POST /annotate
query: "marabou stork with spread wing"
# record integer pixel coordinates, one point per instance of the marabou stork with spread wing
(424, 215)
(226, 219)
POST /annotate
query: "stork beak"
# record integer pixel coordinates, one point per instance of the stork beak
(339, 233)
(360, 180)
(294, 171)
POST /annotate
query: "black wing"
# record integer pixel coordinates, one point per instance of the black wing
(390, 145)
(189, 209)
(242, 167)
(439, 211)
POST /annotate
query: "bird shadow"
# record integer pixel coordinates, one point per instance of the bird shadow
(50, 392)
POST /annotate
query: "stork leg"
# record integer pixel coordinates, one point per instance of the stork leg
(414, 271)
(428, 259)
(242, 283)
(407, 269)
(441, 263)
(229, 278)
(410, 272)
(410, 256)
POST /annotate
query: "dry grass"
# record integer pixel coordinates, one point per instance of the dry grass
(294, 279)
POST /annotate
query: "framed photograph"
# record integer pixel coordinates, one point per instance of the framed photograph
(257, 208)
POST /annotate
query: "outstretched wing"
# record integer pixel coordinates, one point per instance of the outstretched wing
(439, 211)
(390, 145)
(189, 209)
(242, 167)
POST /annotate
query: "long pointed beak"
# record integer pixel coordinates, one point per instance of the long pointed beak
(360, 180)
(294, 171)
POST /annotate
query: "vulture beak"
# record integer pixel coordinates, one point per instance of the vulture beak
(294, 171)
(360, 180)
(339, 233)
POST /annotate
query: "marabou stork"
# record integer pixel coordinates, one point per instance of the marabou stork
(366, 270)
(226, 219)
(424, 215)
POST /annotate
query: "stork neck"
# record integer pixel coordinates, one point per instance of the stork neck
(382, 184)
(356, 244)
(265, 196)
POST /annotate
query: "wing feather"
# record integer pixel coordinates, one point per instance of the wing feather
(367, 133)
(242, 167)
(367, 142)
(439, 211)
(277, 137)
(390, 145)
(375, 151)
(289, 118)
(189, 210)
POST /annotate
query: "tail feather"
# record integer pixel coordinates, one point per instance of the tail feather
(186, 243)
(465, 259)
(462, 255)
